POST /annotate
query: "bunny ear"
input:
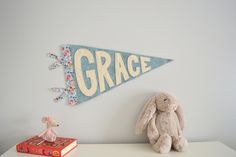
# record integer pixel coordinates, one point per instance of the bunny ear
(146, 114)
(44, 119)
(180, 115)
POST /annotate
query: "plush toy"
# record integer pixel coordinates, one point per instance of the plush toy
(163, 117)
(49, 134)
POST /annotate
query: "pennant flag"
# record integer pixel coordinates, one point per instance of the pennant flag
(92, 71)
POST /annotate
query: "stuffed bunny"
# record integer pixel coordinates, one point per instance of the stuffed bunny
(49, 134)
(163, 118)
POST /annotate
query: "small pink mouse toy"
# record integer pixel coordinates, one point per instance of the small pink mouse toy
(49, 135)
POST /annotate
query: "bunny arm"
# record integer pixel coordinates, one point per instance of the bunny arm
(180, 115)
(152, 131)
(145, 115)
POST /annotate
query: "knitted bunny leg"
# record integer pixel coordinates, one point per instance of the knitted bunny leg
(163, 144)
(152, 131)
(180, 143)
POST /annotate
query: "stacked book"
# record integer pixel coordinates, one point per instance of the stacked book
(36, 145)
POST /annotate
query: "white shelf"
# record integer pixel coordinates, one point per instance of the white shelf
(196, 149)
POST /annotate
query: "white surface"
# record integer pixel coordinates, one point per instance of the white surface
(197, 149)
(199, 35)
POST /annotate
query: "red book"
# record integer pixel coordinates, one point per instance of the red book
(36, 145)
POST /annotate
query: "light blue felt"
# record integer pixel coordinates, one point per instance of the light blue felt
(154, 63)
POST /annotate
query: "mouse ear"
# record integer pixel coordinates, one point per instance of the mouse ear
(50, 119)
(44, 119)
(180, 115)
(146, 114)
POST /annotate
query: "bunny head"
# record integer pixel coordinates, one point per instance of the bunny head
(50, 122)
(165, 102)
(160, 102)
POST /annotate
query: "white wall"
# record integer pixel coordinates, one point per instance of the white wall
(199, 35)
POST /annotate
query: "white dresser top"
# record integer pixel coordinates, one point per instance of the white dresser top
(196, 149)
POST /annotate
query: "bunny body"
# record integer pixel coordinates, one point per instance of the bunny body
(167, 122)
(163, 118)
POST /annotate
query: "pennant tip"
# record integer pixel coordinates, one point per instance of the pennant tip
(170, 60)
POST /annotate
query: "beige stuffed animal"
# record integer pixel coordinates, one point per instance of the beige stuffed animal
(163, 118)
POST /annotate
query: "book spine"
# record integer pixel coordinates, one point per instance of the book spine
(37, 150)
